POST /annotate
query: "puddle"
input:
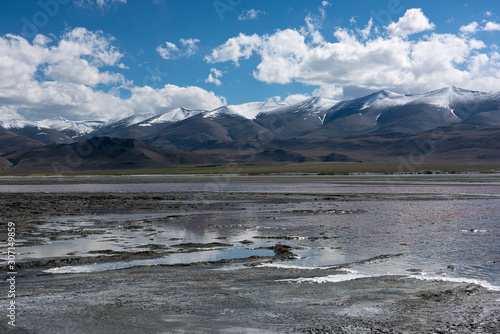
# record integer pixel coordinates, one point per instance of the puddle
(209, 255)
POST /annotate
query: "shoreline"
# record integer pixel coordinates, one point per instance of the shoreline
(212, 299)
(339, 287)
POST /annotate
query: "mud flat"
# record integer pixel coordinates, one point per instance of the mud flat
(211, 299)
(228, 262)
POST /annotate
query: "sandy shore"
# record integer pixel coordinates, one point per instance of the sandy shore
(249, 295)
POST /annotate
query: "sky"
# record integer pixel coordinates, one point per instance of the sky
(109, 59)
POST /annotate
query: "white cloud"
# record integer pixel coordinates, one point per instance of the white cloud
(275, 99)
(366, 32)
(235, 48)
(488, 13)
(379, 61)
(171, 51)
(313, 25)
(282, 55)
(414, 21)
(492, 26)
(168, 52)
(8, 112)
(46, 77)
(77, 58)
(147, 99)
(190, 46)
(471, 28)
(330, 92)
(41, 40)
(295, 98)
(214, 77)
(474, 27)
(251, 14)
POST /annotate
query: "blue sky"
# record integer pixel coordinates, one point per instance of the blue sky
(104, 59)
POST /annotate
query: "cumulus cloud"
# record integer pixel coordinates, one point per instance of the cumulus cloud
(77, 58)
(367, 30)
(474, 27)
(251, 14)
(414, 21)
(8, 112)
(379, 60)
(214, 77)
(172, 51)
(235, 48)
(471, 28)
(492, 26)
(189, 46)
(45, 77)
(148, 99)
(331, 92)
(295, 98)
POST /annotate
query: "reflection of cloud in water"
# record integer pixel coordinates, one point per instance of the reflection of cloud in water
(178, 258)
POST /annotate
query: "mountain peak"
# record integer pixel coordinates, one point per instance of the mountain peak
(174, 115)
(381, 99)
(60, 118)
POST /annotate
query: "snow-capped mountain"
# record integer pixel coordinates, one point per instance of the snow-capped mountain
(386, 111)
(382, 126)
(72, 129)
(130, 120)
(247, 110)
(296, 119)
(252, 109)
(108, 129)
(379, 112)
(33, 130)
(171, 116)
(312, 105)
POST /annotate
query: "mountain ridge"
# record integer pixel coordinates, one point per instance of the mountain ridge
(314, 129)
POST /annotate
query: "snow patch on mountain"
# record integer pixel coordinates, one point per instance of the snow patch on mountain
(131, 120)
(252, 109)
(171, 116)
(313, 105)
(317, 104)
(247, 110)
(450, 96)
(62, 124)
(385, 99)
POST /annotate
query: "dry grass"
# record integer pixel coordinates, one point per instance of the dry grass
(308, 167)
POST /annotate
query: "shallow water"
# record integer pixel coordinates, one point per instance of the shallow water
(254, 187)
(441, 235)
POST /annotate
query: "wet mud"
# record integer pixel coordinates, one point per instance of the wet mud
(249, 294)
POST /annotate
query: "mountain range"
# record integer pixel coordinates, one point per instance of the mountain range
(460, 125)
